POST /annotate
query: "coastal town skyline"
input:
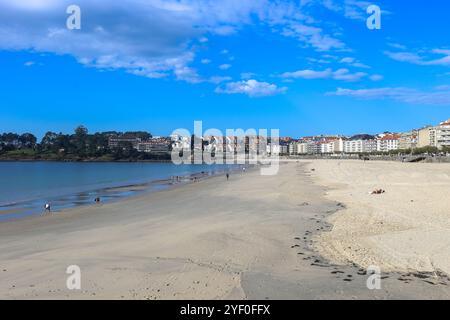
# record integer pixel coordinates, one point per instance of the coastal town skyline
(168, 134)
(120, 145)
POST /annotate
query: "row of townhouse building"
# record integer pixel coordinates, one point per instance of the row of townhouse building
(355, 144)
(432, 136)
(429, 136)
(437, 136)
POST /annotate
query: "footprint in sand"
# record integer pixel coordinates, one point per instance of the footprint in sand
(337, 272)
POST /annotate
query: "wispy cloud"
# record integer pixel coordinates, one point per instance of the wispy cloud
(436, 96)
(29, 63)
(219, 79)
(340, 74)
(252, 88)
(429, 59)
(351, 9)
(376, 77)
(313, 37)
(225, 66)
(162, 40)
(354, 63)
(397, 46)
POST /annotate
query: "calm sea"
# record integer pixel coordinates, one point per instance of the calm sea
(25, 187)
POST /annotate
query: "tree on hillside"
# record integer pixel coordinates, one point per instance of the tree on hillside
(27, 140)
(80, 140)
(49, 140)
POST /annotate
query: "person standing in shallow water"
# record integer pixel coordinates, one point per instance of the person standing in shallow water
(228, 176)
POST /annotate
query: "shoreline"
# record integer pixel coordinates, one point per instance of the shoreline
(18, 210)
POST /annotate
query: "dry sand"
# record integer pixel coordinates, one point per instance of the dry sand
(405, 229)
(247, 238)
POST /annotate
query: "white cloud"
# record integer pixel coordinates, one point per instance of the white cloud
(318, 61)
(351, 9)
(29, 63)
(308, 74)
(347, 60)
(420, 59)
(154, 38)
(355, 9)
(404, 57)
(406, 95)
(354, 63)
(225, 66)
(376, 77)
(205, 61)
(397, 46)
(340, 74)
(313, 36)
(252, 88)
(346, 75)
(219, 79)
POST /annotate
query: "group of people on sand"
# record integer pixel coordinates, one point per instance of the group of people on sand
(48, 207)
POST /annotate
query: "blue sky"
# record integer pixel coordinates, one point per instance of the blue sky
(305, 67)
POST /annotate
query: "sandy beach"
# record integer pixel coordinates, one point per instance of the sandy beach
(301, 234)
(406, 228)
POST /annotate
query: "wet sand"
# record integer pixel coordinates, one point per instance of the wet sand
(252, 237)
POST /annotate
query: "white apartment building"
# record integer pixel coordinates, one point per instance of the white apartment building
(302, 148)
(276, 149)
(443, 134)
(360, 146)
(327, 147)
(153, 147)
(353, 146)
(116, 142)
(338, 145)
(313, 147)
(296, 148)
(370, 145)
(388, 142)
(284, 149)
(332, 146)
(293, 148)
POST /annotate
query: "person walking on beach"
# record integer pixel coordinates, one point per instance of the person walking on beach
(47, 207)
(228, 176)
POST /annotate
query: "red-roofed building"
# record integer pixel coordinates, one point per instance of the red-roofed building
(388, 142)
